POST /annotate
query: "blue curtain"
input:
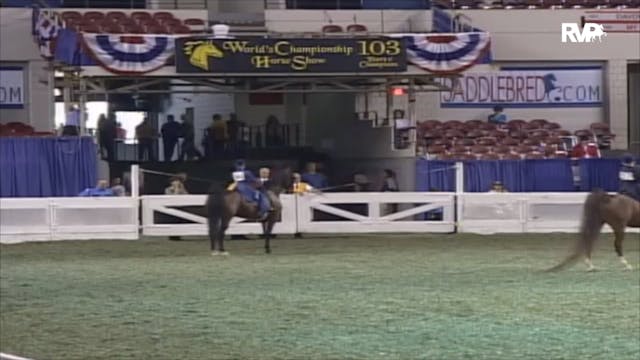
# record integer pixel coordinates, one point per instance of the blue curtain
(44, 167)
(550, 175)
(436, 175)
(515, 175)
(599, 173)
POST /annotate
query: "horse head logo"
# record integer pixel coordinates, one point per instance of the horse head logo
(199, 53)
(549, 83)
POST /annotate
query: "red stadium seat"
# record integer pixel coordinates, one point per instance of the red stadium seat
(181, 29)
(534, 156)
(95, 16)
(116, 16)
(162, 16)
(71, 16)
(332, 29)
(551, 126)
(486, 141)
(356, 28)
(90, 28)
(139, 16)
(511, 156)
(489, 156)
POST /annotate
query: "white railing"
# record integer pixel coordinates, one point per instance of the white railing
(375, 212)
(47, 219)
(193, 220)
(490, 213)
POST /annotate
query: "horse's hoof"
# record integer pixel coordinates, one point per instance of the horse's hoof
(592, 269)
(268, 251)
(629, 268)
(224, 253)
(215, 253)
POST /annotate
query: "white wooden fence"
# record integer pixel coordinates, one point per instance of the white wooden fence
(49, 219)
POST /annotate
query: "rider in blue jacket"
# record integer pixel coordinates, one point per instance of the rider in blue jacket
(629, 176)
(245, 182)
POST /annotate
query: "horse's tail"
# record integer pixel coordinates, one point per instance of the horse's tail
(215, 209)
(589, 228)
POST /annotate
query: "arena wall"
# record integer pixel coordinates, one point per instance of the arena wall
(17, 49)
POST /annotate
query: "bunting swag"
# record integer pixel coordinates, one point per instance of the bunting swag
(45, 28)
(447, 53)
(130, 54)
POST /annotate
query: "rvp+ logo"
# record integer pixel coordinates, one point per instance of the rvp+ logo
(589, 33)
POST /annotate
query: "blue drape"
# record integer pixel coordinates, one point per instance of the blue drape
(435, 174)
(550, 175)
(43, 167)
(515, 175)
(599, 173)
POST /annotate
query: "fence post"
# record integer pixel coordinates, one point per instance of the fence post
(459, 177)
(135, 181)
(459, 198)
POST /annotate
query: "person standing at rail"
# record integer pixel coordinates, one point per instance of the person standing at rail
(629, 176)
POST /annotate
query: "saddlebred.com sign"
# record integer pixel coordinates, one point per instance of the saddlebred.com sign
(259, 55)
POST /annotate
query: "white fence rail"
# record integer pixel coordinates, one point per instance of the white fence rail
(49, 219)
(375, 212)
(158, 211)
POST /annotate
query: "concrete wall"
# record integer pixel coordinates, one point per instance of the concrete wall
(17, 48)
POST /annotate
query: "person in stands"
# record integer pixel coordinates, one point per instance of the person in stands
(300, 187)
(585, 149)
(117, 188)
(101, 189)
(170, 131)
(497, 187)
(146, 135)
(314, 178)
(629, 176)
(498, 116)
(72, 123)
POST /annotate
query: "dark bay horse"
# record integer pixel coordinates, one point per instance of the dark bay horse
(223, 205)
(619, 211)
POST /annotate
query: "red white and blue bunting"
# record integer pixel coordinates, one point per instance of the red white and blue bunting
(447, 53)
(46, 25)
(130, 54)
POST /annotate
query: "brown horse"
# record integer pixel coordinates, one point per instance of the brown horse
(223, 205)
(619, 211)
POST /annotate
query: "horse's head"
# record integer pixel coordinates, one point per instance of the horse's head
(200, 51)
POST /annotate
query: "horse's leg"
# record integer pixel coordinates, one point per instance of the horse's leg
(224, 224)
(588, 247)
(213, 234)
(619, 233)
(266, 231)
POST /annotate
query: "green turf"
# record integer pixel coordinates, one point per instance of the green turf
(366, 297)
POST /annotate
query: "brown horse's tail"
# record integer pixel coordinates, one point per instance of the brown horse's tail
(589, 228)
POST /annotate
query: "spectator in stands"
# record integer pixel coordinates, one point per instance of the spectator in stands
(107, 135)
(176, 187)
(101, 189)
(233, 134)
(313, 178)
(272, 132)
(170, 131)
(189, 149)
(361, 182)
(244, 138)
(121, 133)
(72, 123)
(300, 187)
(265, 176)
(498, 117)
(390, 183)
(117, 188)
(629, 176)
(146, 135)
(497, 187)
(585, 150)
(217, 134)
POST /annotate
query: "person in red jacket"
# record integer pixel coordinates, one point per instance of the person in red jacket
(585, 149)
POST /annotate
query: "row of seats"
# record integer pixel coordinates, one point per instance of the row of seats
(138, 22)
(17, 129)
(476, 139)
(536, 4)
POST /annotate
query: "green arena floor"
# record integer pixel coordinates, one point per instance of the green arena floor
(356, 297)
